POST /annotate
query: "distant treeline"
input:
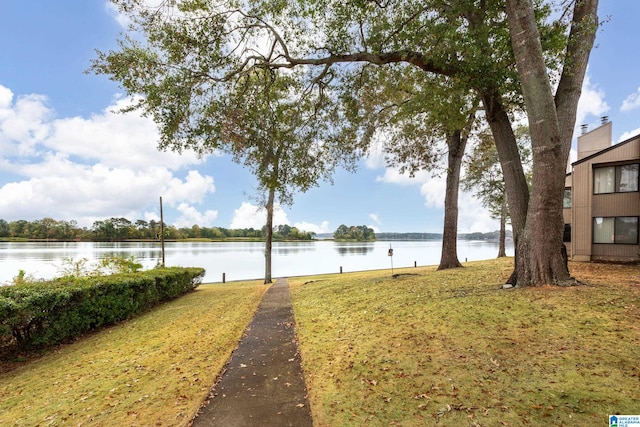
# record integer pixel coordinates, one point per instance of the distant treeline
(118, 229)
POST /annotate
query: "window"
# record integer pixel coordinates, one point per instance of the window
(626, 230)
(603, 179)
(615, 179)
(621, 230)
(566, 200)
(627, 178)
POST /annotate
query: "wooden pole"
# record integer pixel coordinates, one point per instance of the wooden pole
(162, 231)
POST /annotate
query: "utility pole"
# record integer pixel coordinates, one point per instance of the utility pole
(162, 231)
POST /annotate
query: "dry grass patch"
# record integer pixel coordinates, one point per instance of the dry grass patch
(452, 348)
(153, 370)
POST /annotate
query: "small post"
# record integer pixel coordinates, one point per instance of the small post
(415, 264)
(340, 269)
(162, 231)
(391, 258)
(224, 278)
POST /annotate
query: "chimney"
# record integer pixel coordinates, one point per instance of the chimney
(596, 140)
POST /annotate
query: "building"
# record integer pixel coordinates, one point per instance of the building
(602, 200)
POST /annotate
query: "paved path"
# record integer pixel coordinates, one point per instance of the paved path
(263, 384)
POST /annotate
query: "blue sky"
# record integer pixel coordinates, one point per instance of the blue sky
(64, 154)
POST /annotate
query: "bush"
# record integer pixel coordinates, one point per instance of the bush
(35, 315)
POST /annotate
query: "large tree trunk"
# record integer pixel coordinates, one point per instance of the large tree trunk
(515, 181)
(269, 237)
(539, 256)
(516, 187)
(449, 258)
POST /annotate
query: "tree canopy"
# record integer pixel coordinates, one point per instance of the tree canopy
(511, 53)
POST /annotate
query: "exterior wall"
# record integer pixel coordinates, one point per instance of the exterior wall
(566, 212)
(581, 223)
(617, 204)
(594, 141)
(586, 205)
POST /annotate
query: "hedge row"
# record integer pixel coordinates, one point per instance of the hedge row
(35, 315)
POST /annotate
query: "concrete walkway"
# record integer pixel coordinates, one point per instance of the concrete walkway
(263, 384)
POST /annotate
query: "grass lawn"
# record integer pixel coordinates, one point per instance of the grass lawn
(153, 370)
(451, 348)
(448, 348)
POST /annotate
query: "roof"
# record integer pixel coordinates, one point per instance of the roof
(613, 147)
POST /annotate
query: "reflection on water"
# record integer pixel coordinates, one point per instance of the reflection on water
(237, 260)
(355, 248)
(291, 248)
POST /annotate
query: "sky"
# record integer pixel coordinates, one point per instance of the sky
(65, 154)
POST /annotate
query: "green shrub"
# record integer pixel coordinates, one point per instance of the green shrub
(34, 315)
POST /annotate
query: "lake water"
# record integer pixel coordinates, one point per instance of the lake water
(237, 260)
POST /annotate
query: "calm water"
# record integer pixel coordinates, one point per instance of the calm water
(238, 260)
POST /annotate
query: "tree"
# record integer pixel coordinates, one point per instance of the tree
(484, 177)
(358, 233)
(276, 128)
(539, 256)
(104, 230)
(341, 232)
(413, 115)
(330, 41)
(264, 118)
(4, 228)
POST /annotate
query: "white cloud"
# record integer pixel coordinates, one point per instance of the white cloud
(393, 176)
(629, 134)
(115, 139)
(148, 216)
(631, 102)
(193, 189)
(6, 97)
(252, 216)
(313, 228)
(23, 123)
(375, 156)
(85, 169)
(472, 216)
(191, 216)
(591, 102)
(122, 19)
(433, 191)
